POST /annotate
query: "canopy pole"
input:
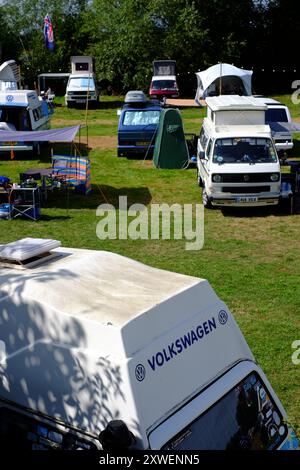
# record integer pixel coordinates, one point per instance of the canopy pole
(87, 99)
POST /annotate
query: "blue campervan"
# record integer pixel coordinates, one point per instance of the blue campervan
(138, 125)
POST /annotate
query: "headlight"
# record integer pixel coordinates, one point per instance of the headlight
(274, 177)
(217, 178)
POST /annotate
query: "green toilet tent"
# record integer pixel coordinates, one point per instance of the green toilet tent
(170, 145)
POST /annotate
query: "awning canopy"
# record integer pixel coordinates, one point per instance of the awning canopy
(54, 75)
(65, 134)
(207, 77)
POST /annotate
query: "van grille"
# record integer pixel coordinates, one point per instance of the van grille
(246, 189)
(246, 177)
(80, 93)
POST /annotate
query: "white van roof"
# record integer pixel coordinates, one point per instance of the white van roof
(234, 102)
(102, 287)
(163, 77)
(236, 130)
(91, 336)
(267, 101)
(21, 98)
(244, 130)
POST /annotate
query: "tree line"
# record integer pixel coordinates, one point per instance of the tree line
(125, 36)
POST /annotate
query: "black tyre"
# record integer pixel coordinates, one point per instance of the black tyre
(205, 200)
(287, 205)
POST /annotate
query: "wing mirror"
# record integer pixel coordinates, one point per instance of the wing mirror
(202, 155)
(116, 436)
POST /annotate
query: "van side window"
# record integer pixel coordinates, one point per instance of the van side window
(208, 149)
(37, 114)
(203, 139)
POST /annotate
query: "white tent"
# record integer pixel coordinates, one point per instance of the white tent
(225, 78)
(9, 75)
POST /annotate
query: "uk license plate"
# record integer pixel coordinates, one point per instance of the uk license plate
(246, 199)
(81, 101)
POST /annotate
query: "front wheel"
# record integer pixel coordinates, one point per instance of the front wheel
(205, 200)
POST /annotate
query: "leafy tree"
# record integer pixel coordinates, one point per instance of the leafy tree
(26, 19)
(127, 35)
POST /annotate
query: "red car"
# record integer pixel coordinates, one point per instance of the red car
(164, 87)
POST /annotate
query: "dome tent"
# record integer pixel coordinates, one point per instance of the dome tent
(225, 78)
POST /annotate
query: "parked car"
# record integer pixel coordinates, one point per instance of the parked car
(276, 115)
(138, 124)
(82, 83)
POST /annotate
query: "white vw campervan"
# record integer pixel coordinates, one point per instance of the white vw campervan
(237, 161)
(81, 86)
(90, 337)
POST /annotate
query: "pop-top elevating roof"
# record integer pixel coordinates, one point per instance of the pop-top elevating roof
(234, 102)
(27, 252)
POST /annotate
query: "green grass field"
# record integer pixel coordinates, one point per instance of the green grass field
(252, 259)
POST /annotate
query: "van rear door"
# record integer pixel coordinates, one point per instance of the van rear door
(238, 411)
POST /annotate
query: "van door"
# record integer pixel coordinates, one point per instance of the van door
(206, 161)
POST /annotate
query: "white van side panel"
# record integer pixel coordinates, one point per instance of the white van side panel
(51, 365)
(183, 361)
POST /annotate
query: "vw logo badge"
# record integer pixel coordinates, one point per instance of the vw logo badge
(9, 98)
(246, 178)
(140, 372)
(223, 317)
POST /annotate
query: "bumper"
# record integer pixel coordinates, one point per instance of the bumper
(249, 200)
(80, 100)
(284, 145)
(162, 95)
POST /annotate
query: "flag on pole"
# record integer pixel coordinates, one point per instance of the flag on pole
(48, 33)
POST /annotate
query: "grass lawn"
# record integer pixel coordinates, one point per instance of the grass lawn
(252, 259)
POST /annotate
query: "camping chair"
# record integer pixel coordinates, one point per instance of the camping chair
(72, 171)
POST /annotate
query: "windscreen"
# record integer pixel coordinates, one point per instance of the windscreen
(141, 118)
(245, 418)
(276, 115)
(8, 85)
(164, 85)
(82, 82)
(244, 150)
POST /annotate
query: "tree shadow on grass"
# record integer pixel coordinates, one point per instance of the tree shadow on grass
(67, 198)
(285, 208)
(111, 104)
(46, 218)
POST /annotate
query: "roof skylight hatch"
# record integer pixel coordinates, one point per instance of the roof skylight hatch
(28, 252)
